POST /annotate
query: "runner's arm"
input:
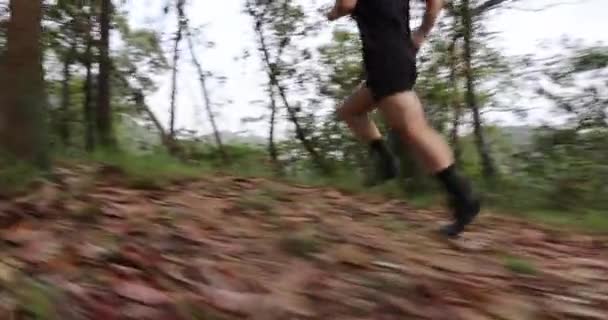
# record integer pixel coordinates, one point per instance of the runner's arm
(433, 8)
(341, 8)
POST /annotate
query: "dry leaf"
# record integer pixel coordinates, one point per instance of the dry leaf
(352, 255)
(141, 293)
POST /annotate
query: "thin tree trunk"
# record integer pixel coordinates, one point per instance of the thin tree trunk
(89, 126)
(104, 109)
(203, 80)
(455, 99)
(299, 130)
(273, 77)
(140, 103)
(216, 133)
(64, 119)
(487, 162)
(23, 118)
(165, 139)
(272, 149)
(454, 135)
(488, 5)
(176, 56)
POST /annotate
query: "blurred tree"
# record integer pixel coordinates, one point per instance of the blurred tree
(103, 116)
(277, 24)
(23, 116)
(87, 59)
(179, 7)
(202, 76)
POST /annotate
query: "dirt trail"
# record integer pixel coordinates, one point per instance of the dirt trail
(233, 248)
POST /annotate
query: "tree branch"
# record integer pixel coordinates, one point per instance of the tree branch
(488, 5)
(553, 5)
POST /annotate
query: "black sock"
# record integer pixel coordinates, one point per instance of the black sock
(456, 185)
(378, 146)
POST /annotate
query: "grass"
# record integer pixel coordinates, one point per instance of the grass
(150, 171)
(533, 204)
(589, 221)
(15, 178)
(37, 301)
(520, 266)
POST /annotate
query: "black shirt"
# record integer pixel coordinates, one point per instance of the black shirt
(383, 16)
(389, 55)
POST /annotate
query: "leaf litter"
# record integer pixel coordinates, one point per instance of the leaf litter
(239, 248)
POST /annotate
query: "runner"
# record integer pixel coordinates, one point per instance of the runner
(389, 58)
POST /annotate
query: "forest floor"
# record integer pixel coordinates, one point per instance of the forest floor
(86, 246)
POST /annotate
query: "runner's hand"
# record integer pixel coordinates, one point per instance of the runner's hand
(418, 39)
(332, 15)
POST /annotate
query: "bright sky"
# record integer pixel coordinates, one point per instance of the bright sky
(231, 31)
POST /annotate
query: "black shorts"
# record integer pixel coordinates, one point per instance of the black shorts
(389, 56)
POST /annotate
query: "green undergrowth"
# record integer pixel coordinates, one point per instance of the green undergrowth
(585, 220)
(38, 301)
(520, 266)
(16, 177)
(149, 171)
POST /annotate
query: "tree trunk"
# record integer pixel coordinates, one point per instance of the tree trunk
(487, 6)
(274, 81)
(455, 98)
(23, 118)
(165, 139)
(203, 80)
(454, 135)
(487, 162)
(104, 109)
(178, 39)
(89, 127)
(272, 148)
(308, 146)
(141, 106)
(64, 118)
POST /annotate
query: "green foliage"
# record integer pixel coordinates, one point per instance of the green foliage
(245, 160)
(568, 167)
(520, 266)
(149, 171)
(344, 71)
(16, 176)
(37, 301)
(589, 59)
(142, 50)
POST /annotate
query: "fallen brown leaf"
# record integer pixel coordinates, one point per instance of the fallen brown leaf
(352, 255)
(141, 293)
